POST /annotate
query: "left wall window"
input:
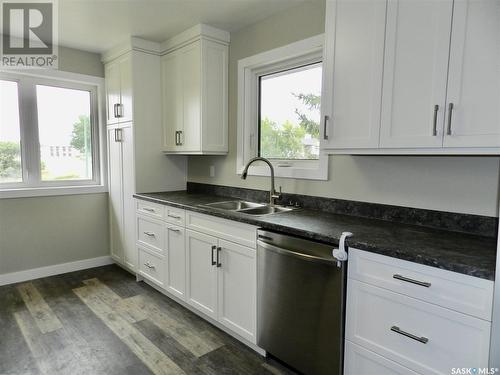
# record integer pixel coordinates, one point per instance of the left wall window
(49, 134)
(10, 134)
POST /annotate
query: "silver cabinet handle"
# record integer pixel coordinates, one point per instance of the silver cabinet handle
(150, 234)
(119, 131)
(174, 230)
(115, 112)
(116, 135)
(174, 216)
(148, 209)
(434, 121)
(412, 281)
(219, 249)
(325, 121)
(423, 340)
(450, 111)
(149, 265)
(214, 247)
(181, 142)
(177, 138)
(119, 110)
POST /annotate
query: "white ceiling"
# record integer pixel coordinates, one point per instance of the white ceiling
(97, 25)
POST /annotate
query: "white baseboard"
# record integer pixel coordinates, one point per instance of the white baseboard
(57, 269)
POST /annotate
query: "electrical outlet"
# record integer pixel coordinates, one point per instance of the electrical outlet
(212, 171)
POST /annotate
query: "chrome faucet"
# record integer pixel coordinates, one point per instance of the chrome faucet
(273, 195)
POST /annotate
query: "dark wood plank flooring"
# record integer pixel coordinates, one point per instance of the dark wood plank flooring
(101, 321)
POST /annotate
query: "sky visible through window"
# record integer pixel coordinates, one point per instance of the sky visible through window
(64, 131)
(290, 113)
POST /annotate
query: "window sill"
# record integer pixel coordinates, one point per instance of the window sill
(51, 191)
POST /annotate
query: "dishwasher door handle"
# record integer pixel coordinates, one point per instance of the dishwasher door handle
(310, 258)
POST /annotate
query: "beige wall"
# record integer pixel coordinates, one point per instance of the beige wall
(43, 231)
(76, 61)
(457, 184)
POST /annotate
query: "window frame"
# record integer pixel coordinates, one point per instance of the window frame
(32, 184)
(250, 69)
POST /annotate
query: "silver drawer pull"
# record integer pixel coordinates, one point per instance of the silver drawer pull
(174, 216)
(149, 265)
(423, 340)
(174, 230)
(148, 209)
(150, 234)
(413, 281)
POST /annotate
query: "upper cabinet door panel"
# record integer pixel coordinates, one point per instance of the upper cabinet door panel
(126, 88)
(112, 74)
(415, 72)
(474, 76)
(354, 54)
(171, 100)
(191, 91)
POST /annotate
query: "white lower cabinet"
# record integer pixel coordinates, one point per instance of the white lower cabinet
(409, 324)
(152, 266)
(176, 260)
(237, 283)
(201, 272)
(360, 361)
(212, 275)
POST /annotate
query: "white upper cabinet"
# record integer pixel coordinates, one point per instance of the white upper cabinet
(440, 68)
(415, 71)
(474, 75)
(353, 65)
(118, 75)
(194, 92)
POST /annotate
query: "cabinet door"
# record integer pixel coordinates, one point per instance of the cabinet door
(115, 195)
(415, 70)
(176, 264)
(474, 75)
(359, 360)
(354, 55)
(214, 97)
(130, 252)
(171, 100)
(112, 74)
(237, 288)
(126, 88)
(190, 137)
(201, 272)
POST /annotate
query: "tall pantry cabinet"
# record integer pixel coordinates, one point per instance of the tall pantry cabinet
(136, 162)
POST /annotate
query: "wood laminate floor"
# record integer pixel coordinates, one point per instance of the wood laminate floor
(101, 321)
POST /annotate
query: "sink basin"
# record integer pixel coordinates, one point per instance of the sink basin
(249, 208)
(234, 205)
(265, 210)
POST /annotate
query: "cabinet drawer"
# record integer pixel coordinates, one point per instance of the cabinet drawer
(150, 209)
(175, 216)
(382, 321)
(150, 233)
(359, 360)
(152, 267)
(465, 294)
(243, 234)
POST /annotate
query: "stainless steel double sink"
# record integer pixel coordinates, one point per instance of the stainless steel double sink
(249, 208)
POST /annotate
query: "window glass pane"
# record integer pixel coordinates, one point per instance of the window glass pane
(289, 113)
(10, 140)
(65, 133)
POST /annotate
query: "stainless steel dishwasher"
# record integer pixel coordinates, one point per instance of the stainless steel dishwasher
(301, 294)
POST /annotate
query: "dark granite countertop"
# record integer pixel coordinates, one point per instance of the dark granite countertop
(464, 253)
